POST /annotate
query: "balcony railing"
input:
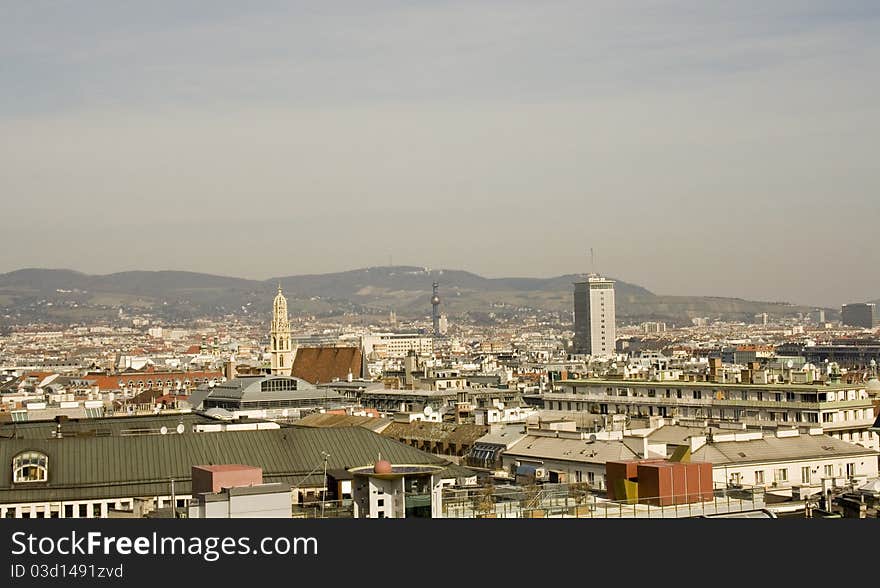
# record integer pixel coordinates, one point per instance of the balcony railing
(568, 501)
(708, 401)
(328, 509)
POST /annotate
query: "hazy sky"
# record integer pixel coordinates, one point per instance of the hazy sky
(706, 148)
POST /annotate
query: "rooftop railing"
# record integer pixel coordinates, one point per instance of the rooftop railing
(572, 501)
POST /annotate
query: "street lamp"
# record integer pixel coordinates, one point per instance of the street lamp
(324, 494)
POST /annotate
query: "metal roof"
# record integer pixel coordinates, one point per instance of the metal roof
(251, 389)
(102, 427)
(343, 420)
(773, 449)
(575, 450)
(83, 468)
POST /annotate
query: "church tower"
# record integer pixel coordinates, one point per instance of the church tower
(282, 353)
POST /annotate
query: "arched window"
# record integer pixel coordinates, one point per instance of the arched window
(30, 466)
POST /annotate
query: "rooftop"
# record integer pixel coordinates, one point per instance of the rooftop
(103, 467)
(622, 382)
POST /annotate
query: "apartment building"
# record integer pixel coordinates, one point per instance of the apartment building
(844, 411)
(397, 345)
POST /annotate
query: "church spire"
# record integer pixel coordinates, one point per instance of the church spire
(280, 349)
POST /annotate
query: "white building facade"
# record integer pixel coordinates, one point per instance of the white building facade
(595, 330)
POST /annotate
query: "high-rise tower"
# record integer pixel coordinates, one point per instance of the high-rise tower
(282, 352)
(595, 329)
(435, 310)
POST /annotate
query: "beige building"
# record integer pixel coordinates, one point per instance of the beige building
(843, 411)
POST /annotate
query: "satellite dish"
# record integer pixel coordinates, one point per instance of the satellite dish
(790, 364)
(428, 410)
(180, 429)
(164, 430)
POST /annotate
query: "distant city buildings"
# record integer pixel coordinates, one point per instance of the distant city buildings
(595, 330)
(654, 327)
(397, 345)
(502, 411)
(860, 315)
(443, 325)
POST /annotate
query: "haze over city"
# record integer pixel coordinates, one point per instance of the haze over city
(701, 148)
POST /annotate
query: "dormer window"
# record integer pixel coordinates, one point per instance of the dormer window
(30, 466)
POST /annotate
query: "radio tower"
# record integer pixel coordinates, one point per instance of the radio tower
(435, 310)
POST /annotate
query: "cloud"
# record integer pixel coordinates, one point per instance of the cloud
(705, 148)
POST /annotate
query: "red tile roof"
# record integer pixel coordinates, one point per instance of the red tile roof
(325, 364)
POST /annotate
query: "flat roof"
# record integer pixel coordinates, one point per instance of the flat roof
(687, 384)
(227, 467)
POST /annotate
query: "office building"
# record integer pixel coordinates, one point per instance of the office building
(594, 316)
(860, 315)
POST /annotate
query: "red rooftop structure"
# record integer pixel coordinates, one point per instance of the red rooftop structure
(659, 482)
(213, 478)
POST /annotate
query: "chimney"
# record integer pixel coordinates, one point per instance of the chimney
(230, 371)
(409, 366)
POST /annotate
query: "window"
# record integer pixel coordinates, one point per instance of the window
(829, 471)
(850, 470)
(698, 394)
(759, 477)
(780, 475)
(278, 384)
(30, 466)
(805, 474)
(591, 478)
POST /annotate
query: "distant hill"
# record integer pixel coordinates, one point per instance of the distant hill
(64, 295)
